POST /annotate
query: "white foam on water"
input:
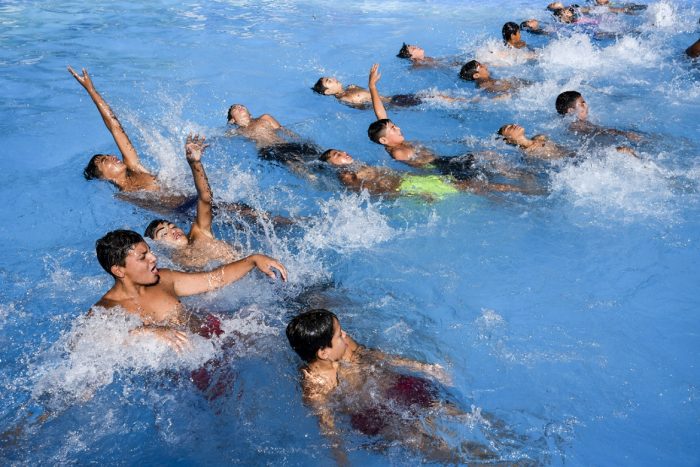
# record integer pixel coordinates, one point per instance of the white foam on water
(495, 53)
(615, 184)
(578, 53)
(87, 357)
(348, 222)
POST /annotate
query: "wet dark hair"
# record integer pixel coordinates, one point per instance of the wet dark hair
(468, 70)
(319, 87)
(326, 155)
(566, 101)
(91, 172)
(377, 129)
(229, 116)
(113, 248)
(509, 29)
(404, 53)
(310, 332)
(151, 229)
(559, 14)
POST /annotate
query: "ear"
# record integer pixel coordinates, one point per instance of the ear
(382, 140)
(322, 354)
(118, 271)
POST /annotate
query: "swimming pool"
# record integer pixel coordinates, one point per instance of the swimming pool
(571, 316)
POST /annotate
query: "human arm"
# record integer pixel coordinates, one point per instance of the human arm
(377, 103)
(129, 155)
(194, 148)
(430, 369)
(185, 284)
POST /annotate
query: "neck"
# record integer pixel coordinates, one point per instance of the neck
(319, 365)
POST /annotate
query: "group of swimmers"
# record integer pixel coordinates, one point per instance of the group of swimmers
(334, 361)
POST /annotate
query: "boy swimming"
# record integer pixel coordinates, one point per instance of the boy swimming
(360, 98)
(152, 294)
(480, 74)
(199, 246)
(344, 380)
(572, 103)
(387, 182)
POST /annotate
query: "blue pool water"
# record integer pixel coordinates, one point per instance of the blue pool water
(572, 317)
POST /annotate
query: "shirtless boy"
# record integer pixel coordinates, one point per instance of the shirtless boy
(386, 133)
(479, 73)
(153, 294)
(127, 174)
(387, 182)
(360, 98)
(416, 55)
(344, 378)
(199, 247)
(539, 146)
(572, 103)
(511, 35)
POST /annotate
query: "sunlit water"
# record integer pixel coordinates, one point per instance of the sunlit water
(571, 317)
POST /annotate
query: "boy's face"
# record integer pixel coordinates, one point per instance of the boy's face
(581, 109)
(392, 135)
(170, 234)
(339, 158)
(338, 345)
(332, 85)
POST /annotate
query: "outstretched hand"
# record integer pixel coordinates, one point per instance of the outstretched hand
(266, 265)
(194, 147)
(84, 80)
(374, 75)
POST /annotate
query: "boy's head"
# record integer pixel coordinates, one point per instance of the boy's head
(511, 32)
(336, 157)
(473, 70)
(316, 334)
(566, 15)
(511, 133)
(114, 247)
(105, 167)
(385, 132)
(327, 85)
(572, 102)
(166, 232)
(412, 52)
(530, 25)
(238, 114)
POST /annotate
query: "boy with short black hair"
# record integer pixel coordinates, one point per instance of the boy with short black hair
(366, 387)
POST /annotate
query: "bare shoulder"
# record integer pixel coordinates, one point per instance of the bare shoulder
(269, 119)
(315, 387)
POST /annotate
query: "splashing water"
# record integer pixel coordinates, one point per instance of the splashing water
(348, 222)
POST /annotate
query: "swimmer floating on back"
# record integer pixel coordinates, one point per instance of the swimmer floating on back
(387, 182)
(360, 98)
(572, 103)
(539, 146)
(128, 174)
(344, 380)
(152, 294)
(199, 246)
(479, 73)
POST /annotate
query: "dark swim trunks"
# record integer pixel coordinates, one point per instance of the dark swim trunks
(290, 152)
(460, 167)
(405, 100)
(408, 392)
(214, 378)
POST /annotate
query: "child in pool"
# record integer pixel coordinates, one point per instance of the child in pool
(386, 182)
(573, 103)
(479, 73)
(199, 246)
(363, 384)
(136, 184)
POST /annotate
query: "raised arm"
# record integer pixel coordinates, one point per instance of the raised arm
(194, 148)
(129, 155)
(377, 103)
(185, 284)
